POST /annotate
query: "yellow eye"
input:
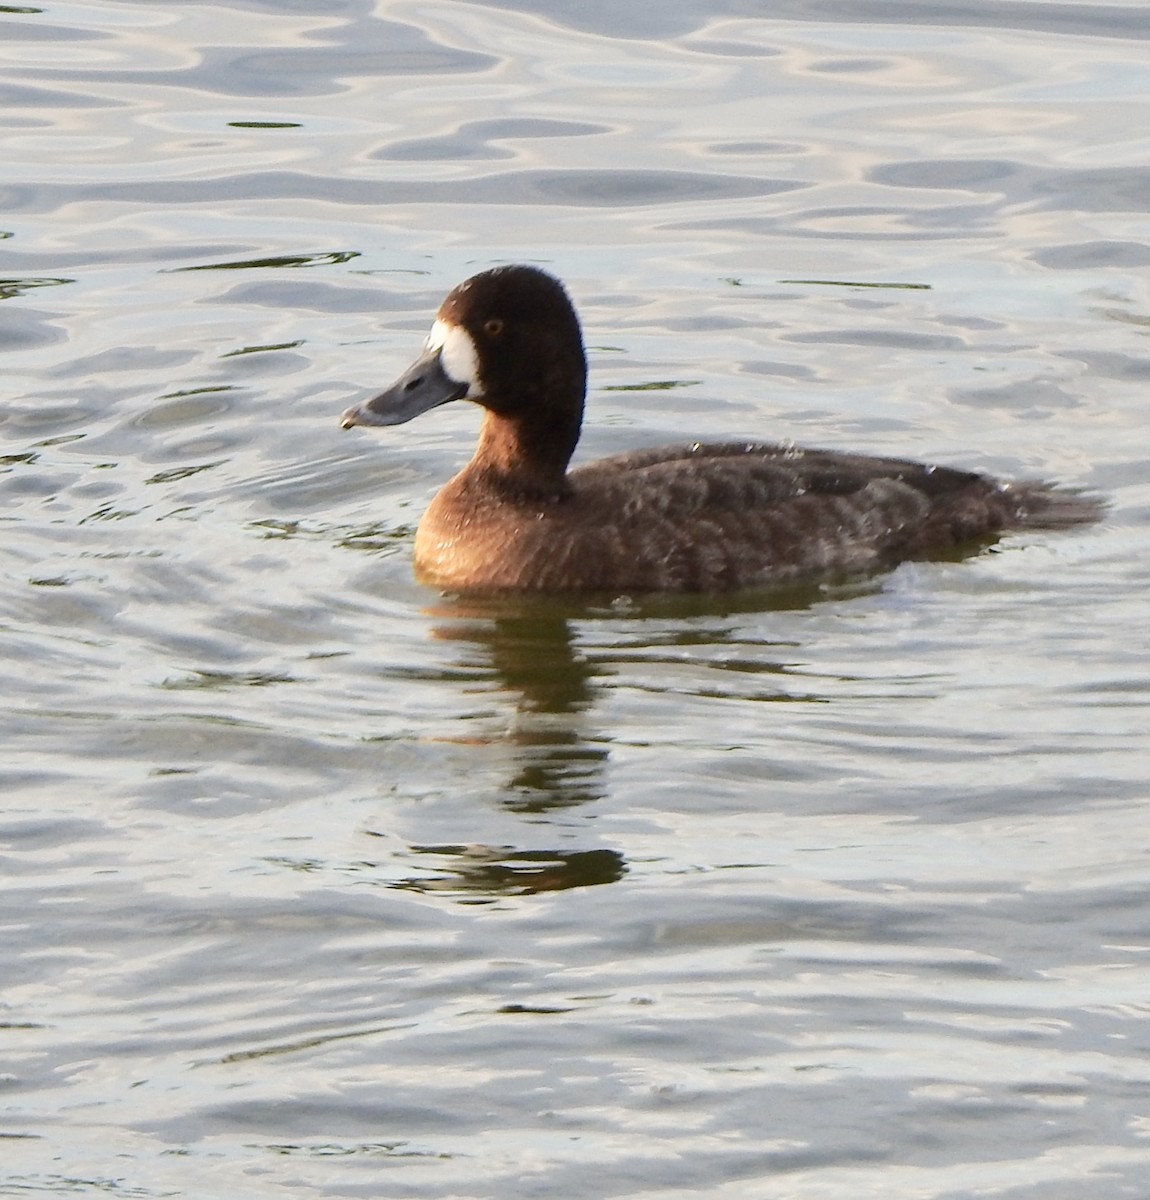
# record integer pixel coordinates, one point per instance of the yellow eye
(494, 327)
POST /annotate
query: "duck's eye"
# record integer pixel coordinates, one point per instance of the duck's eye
(494, 327)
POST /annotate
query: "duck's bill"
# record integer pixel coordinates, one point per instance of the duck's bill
(424, 385)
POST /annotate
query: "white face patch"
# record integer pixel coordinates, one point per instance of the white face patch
(457, 355)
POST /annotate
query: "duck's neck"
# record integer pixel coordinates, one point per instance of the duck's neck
(523, 458)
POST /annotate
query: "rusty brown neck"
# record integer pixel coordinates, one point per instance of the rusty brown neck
(523, 457)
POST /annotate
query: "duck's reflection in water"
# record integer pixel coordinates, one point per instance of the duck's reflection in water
(528, 652)
(525, 653)
(478, 872)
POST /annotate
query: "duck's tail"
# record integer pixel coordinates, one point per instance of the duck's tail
(1046, 506)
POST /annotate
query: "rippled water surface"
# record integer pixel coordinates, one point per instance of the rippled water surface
(316, 883)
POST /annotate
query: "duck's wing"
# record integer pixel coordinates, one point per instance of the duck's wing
(712, 517)
(757, 475)
(761, 475)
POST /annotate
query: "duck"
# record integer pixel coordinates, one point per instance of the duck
(704, 517)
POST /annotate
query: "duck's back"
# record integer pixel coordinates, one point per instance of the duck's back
(720, 517)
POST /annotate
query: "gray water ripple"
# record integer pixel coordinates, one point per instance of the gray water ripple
(568, 187)
(1083, 20)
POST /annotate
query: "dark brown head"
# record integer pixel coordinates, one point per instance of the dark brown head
(509, 340)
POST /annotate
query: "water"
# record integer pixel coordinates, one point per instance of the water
(318, 883)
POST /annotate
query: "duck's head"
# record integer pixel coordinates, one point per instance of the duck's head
(507, 339)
